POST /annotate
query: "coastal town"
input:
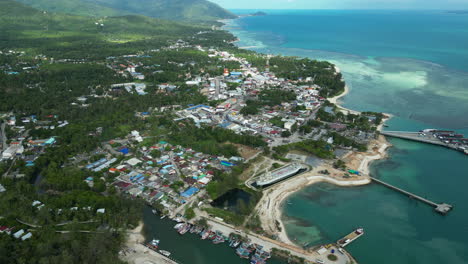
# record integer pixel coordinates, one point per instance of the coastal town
(211, 138)
(178, 180)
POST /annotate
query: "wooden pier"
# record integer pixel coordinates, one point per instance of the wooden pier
(442, 208)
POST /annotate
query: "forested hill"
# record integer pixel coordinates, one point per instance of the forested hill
(194, 10)
(70, 36)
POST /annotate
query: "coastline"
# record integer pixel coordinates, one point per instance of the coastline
(270, 207)
(134, 252)
(271, 216)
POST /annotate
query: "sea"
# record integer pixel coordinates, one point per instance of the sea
(411, 64)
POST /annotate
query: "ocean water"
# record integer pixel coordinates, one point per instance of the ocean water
(414, 65)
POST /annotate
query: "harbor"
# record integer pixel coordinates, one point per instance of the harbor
(226, 241)
(445, 138)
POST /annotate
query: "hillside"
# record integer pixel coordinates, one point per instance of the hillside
(62, 35)
(194, 10)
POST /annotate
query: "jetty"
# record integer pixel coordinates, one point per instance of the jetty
(415, 136)
(442, 208)
(350, 237)
(448, 139)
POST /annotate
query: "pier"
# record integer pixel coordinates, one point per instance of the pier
(441, 208)
(415, 136)
(430, 138)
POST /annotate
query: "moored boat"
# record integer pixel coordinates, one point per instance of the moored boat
(165, 253)
(153, 244)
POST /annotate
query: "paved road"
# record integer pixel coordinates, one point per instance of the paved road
(3, 136)
(268, 244)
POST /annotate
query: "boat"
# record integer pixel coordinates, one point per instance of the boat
(154, 211)
(184, 229)
(212, 235)
(178, 226)
(236, 244)
(205, 234)
(359, 231)
(242, 252)
(218, 240)
(192, 229)
(162, 217)
(165, 253)
(153, 244)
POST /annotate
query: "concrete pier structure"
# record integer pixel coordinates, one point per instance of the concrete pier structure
(441, 208)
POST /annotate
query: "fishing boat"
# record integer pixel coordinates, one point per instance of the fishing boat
(165, 253)
(218, 240)
(184, 229)
(153, 244)
(212, 235)
(242, 252)
(192, 229)
(236, 244)
(178, 226)
(205, 234)
(154, 211)
(162, 217)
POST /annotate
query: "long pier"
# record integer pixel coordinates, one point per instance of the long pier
(424, 138)
(415, 136)
(441, 208)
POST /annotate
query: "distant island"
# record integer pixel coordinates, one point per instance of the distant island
(458, 12)
(259, 14)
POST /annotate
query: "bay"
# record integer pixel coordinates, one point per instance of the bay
(413, 65)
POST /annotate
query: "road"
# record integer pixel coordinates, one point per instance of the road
(3, 136)
(268, 244)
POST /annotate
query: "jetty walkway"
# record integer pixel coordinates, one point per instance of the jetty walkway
(441, 208)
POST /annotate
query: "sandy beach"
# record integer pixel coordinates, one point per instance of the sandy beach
(269, 208)
(136, 253)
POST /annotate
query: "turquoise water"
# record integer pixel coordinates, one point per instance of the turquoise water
(410, 64)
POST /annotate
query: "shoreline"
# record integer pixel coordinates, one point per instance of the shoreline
(134, 252)
(271, 217)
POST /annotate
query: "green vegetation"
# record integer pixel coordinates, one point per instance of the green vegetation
(277, 121)
(332, 257)
(200, 10)
(346, 142)
(318, 148)
(212, 140)
(189, 213)
(75, 37)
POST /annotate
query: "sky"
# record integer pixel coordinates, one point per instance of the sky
(343, 4)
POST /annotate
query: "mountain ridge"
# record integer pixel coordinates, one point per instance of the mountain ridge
(192, 10)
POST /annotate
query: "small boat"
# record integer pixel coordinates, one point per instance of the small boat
(205, 234)
(359, 231)
(162, 217)
(179, 225)
(165, 253)
(154, 211)
(153, 244)
(236, 244)
(184, 229)
(218, 240)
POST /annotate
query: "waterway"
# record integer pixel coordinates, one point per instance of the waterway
(407, 63)
(189, 248)
(412, 64)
